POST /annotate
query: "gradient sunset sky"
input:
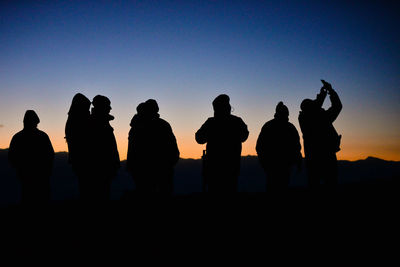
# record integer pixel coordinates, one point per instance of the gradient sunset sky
(185, 53)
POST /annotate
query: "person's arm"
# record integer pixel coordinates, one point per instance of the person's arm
(12, 157)
(116, 153)
(51, 149)
(172, 146)
(336, 105)
(297, 147)
(261, 146)
(202, 134)
(49, 153)
(244, 132)
(260, 142)
(321, 97)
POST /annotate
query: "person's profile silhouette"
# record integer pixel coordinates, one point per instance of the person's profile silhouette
(152, 150)
(278, 149)
(321, 141)
(32, 155)
(104, 158)
(223, 134)
(77, 135)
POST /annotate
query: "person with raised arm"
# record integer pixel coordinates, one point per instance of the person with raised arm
(321, 141)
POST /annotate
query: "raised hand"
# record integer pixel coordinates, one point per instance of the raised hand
(327, 86)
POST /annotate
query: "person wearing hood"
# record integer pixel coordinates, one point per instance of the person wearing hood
(77, 137)
(152, 150)
(32, 155)
(321, 141)
(224, 134)
(136, 147)
(278, 149)
(104, 157)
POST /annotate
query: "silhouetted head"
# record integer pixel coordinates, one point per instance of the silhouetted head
(307, 105)
(221, 105)
(281, 111)
(101, 104)
(31, 119)
(80, 105)
(141, 108)
(151, 107)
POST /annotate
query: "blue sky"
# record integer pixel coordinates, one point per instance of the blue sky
(185, 53)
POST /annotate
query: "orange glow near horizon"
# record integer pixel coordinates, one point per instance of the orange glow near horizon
(350, 149)
(360, 140)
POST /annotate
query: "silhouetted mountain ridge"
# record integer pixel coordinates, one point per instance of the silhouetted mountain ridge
(188, 180)
(4, 151)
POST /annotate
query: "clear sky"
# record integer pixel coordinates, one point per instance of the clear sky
(185, 53)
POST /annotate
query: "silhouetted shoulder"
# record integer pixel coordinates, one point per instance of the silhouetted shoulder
(243, 131)
(264, 137)
(292, 127)
(36, 135)
(28, 147)
(43, 134)
(44, 138)
(209, 121)
(17, 136)
(202, 134)
(164, 124)
(266, 125)
(236, 119)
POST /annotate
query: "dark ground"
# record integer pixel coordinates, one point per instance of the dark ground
(357, 225)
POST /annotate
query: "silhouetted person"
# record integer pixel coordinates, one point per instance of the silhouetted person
(152, 150)
(278, 148)
(224, 134)
(104, 157)
(32, 155)
(133, 157)
(77, 134)
(321, 141)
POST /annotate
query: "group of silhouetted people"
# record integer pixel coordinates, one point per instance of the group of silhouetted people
(92, 147)
(153, 151)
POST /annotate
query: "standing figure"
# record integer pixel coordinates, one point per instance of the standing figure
(77, 136)
(321, 141)
(104, 158)
(133, 157)
(32, 155)
(278, 149)
(224, 134)
(152, 150)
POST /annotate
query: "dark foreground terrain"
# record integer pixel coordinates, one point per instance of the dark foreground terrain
(188, 180)
(354, 226)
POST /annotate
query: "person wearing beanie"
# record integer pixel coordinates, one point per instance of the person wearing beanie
(31, 154)
(152, 151)
(278, 149)
(104, 158)
(224, 134)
